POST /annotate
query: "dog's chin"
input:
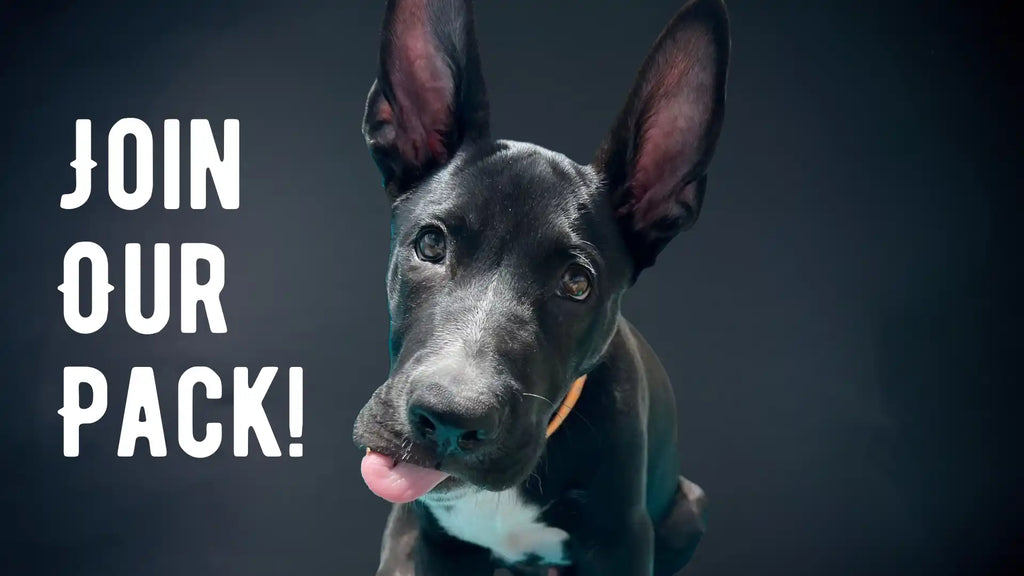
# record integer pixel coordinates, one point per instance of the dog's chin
(458, 483)
(503, 469)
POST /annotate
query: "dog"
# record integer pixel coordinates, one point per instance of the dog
(525, 425)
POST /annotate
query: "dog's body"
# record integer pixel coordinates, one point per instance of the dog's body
(507, 268)
(572, 508)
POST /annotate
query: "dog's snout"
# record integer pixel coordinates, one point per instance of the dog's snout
(454, 426)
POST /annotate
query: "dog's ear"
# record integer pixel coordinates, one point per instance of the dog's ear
(655, 158)
(429, 97)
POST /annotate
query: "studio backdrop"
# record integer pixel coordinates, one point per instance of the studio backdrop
(837, 326)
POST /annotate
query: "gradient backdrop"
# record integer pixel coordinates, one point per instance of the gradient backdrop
(840, 325)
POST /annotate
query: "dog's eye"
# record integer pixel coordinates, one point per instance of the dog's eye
(575, 283)
(430, 245)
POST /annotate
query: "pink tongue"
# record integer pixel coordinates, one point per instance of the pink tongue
(402, 483)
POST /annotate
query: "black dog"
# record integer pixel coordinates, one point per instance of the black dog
(508, 263)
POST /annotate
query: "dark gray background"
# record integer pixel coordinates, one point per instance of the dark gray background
(839, 324)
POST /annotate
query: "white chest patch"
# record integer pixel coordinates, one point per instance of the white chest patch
(503, 523)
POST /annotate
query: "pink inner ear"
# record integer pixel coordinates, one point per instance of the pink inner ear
(422, 85)
(679, 102)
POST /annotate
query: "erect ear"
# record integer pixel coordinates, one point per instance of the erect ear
(655, 158)
(429, 97)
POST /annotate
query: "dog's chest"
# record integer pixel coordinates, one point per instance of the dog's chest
(503, 522)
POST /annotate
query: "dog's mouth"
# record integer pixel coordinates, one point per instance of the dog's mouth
(415, 474)
(399, 469)
(398, 481)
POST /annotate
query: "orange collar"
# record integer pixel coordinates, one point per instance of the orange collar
(567, 405)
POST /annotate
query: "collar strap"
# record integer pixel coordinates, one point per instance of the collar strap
(567, 405)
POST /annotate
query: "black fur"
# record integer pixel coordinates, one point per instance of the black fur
(483, 341)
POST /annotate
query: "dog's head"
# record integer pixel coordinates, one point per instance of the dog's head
(508, 261)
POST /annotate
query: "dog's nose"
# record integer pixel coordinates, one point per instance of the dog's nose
(454, 428)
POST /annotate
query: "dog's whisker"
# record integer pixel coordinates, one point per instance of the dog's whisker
(577, 414)
(537, 396)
